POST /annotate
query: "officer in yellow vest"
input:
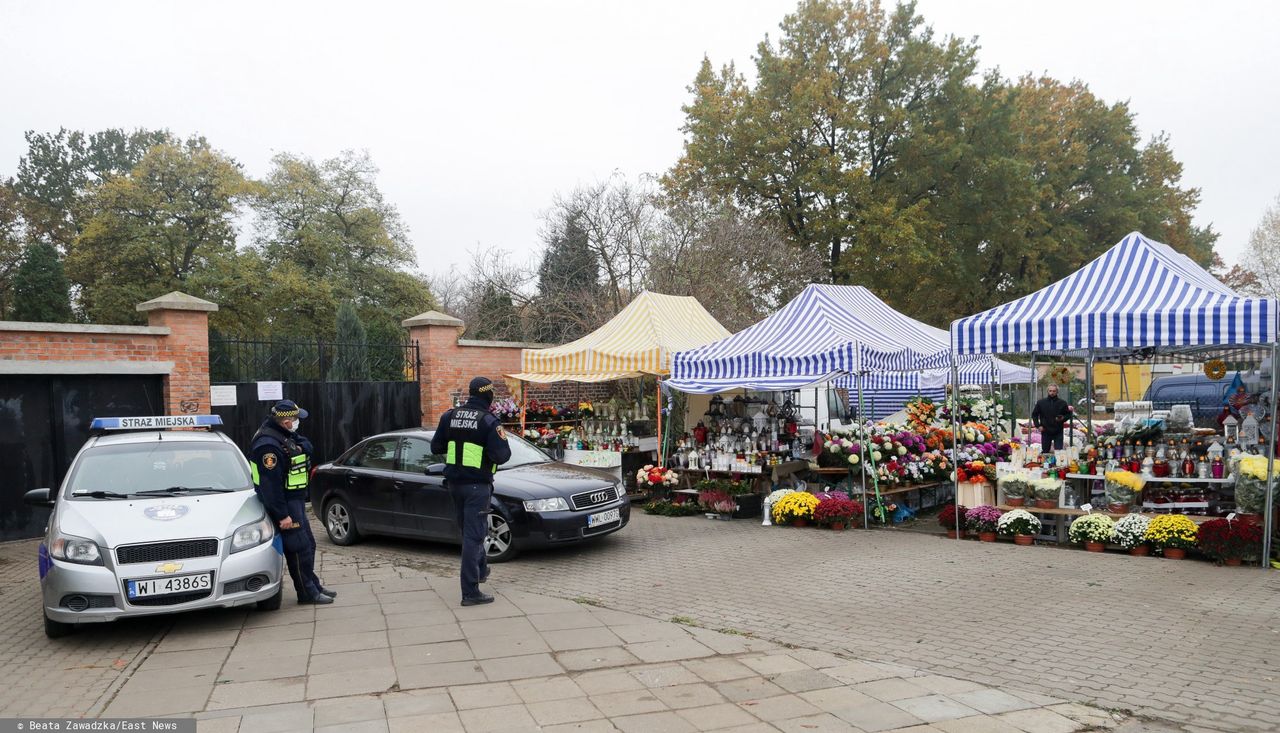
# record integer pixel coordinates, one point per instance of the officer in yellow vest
(474, 444)
(280, 460)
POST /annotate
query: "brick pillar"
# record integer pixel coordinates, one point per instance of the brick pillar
(186, 389)
(439, 371)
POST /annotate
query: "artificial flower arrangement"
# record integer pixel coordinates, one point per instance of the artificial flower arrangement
(1122, 488)
(1171, 532)
(507, 409)
(794, 508)
(1015, 486)
(1092, 528)
(920, 414)
(586, 409)
(947, 517)
(836, 508)
(1018, 522)
(1231, 540)
(652, 476)
(982, 519)
(1251, 484)
(971, 471)
(1131, 531)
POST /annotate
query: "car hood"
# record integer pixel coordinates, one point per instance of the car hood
(545, 480)
(115, 522)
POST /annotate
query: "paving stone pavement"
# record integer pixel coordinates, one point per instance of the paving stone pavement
(1182, 641)
(582, 639)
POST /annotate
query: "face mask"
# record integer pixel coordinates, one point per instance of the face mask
(297, 425)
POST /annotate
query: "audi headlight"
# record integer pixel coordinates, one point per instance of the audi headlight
(252, 535)
(546, 505)
(75, 549)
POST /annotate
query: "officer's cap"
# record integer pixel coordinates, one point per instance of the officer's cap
(288, 408)
(481, 386)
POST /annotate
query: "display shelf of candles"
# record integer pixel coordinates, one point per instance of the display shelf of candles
(741, 436)
(1182, 474)
(617, 434)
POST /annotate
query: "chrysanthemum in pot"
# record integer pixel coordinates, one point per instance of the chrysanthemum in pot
(1021, 524)
(1131, 530)
(1172, 534)
(947, 519)
(1093, 531)
(983, 520)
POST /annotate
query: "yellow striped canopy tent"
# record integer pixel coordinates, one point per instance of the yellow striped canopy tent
(638, 341)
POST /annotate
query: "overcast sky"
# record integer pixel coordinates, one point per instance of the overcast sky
(478, 114)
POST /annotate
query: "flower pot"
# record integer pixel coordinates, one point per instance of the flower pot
(799, 523)
(1012, 501)
(837, 526)
(1174, 553)
(951, 534)
(1232, 562)
(1094, 546)
(1046, 504)
(987, 536)
(1023, 539)
(1139, 551)
(1118, 508)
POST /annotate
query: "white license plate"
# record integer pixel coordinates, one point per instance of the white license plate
(166, 586)
(595, 520)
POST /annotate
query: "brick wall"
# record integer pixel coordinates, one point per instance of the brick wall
(449, 363)
(174, 344)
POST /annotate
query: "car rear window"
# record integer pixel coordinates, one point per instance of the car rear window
(133, 467)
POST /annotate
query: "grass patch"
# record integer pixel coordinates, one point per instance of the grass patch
(684, 621)
(588, 601)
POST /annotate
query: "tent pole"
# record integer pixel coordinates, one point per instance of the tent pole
(955, 440)
(661, 452)
(866, 521)
(1267, 522)
(1088, 395)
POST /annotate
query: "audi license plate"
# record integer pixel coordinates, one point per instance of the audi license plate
(166, 586)
(595, 520)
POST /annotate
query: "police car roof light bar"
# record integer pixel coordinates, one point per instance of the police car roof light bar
(155, 422)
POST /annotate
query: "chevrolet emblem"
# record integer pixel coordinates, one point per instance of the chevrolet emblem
(169, 567)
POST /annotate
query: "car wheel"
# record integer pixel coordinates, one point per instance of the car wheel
(340, 523)
(499, 544)
(56, 629)
(273, 603)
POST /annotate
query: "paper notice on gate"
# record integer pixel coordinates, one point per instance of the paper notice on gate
(270, 391)
(222, 395)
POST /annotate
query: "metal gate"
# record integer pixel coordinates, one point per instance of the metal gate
(349, 390)
(44, 420)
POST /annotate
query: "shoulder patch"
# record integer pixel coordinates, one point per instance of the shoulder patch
(269, 460)
(502, 433)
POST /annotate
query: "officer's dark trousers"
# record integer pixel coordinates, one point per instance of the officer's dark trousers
(471, 504)
(300, 550)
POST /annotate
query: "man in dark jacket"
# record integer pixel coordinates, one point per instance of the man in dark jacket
(474, 444)
(1051, 415)
(280, 460)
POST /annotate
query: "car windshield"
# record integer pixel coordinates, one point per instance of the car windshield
(523, 453)
(159, 468)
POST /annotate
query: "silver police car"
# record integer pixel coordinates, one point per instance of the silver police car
(156, 521)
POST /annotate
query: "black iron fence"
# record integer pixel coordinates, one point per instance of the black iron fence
(241, 360)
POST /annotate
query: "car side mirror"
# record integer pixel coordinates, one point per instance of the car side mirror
(38, 497)
(435, 469)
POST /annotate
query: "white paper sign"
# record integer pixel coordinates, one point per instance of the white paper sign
(273, 391)
(1086, 507)
(1231, 516)
(222, 395)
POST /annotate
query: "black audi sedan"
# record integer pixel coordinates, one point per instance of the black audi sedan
(392, 484)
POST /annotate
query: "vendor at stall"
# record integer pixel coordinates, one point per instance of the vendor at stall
(1051, 415)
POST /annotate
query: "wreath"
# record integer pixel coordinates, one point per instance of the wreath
(1060, 374)
(1215, 369)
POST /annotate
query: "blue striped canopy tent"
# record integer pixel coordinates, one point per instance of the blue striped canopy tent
(824, 332)
(1138, 295)
(883, 394)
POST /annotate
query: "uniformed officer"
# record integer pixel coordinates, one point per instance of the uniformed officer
(474, 444)
(281, 461)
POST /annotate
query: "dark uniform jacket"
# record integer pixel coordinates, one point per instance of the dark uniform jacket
(1051, 415)
(271, 452)
(471, 424)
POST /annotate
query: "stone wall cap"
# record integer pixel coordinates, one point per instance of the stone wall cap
(432, 318)
(83, 328)
(503, 344)
(177, 301)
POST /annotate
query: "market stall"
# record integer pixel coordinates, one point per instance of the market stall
(887, 393)
(825, 333)
(637, 342)
(1136, 302)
